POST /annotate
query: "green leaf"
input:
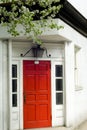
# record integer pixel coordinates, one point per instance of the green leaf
(22, 13)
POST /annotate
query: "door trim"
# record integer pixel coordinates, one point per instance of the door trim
(20, 62)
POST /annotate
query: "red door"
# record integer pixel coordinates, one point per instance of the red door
(37, 94)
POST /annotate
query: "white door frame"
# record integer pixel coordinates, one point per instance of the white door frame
(53, 105)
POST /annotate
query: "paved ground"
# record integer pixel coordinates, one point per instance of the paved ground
(83, 126)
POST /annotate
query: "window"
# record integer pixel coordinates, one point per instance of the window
(14, 85)
(77, 67)
(59, 84)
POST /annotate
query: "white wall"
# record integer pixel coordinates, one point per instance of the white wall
(76, 100)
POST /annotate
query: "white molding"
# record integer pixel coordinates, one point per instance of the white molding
(37, 59)
(21, 94)
(52, 93)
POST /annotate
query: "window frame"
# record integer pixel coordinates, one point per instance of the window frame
(15, 92)
(76, 69)
(59, 91)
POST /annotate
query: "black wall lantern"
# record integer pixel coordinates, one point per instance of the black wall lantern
(37, 51)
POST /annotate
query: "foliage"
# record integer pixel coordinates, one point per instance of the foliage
(32, 15)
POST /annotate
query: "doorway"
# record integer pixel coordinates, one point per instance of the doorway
(36, 94)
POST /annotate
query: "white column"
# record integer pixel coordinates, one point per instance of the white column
(1, 93)
(9, 78)
(69, 84)
(5, 85)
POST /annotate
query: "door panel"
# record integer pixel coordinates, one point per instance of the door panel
(43, 115)
(30, 79)
(43, 79)
(37, 96)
